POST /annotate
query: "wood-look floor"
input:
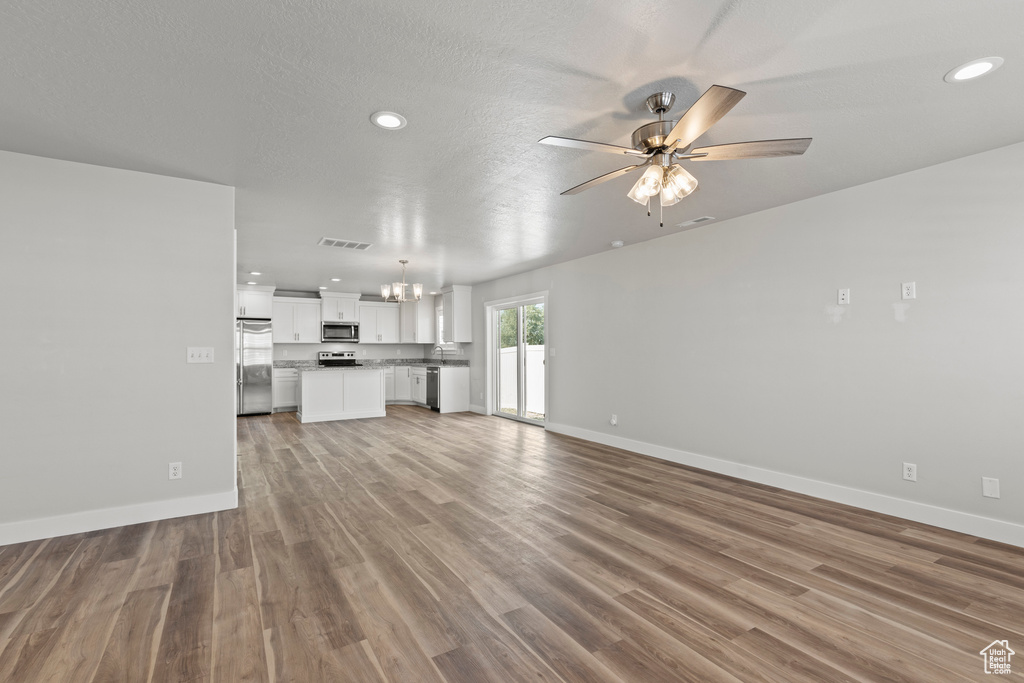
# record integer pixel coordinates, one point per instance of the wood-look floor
(425, 547)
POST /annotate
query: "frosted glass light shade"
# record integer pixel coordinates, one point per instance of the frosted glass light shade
(668, 197)
(678, 182)
(385, 291)
(648, 185)
(417, 291)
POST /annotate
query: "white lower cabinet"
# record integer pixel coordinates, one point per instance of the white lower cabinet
(285, 389)
(403, 386)
(341, 394)
(453, 392)
(398, 383)
(418, 380)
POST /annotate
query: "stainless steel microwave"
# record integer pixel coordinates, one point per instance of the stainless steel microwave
(340, 332)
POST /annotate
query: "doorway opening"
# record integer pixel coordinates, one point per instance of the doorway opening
(519, 362)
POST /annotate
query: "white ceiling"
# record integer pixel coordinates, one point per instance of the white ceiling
(274, 98)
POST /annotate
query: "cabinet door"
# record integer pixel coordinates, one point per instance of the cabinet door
(338, 309)
(419, 388)
(408, 326)
(283, 323)
(387, 325)
(346, 310)
(389, 384)
(257, 304)
(307, 323)
(403, 388)
(425, 325)
(329, 310)
(367, 325)
(448, 315)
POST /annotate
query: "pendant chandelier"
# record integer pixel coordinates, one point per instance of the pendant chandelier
(399, 292)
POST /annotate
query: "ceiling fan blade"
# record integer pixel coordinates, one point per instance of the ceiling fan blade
(603, 178)
(705, 112)
(758, 149)
(591, 146)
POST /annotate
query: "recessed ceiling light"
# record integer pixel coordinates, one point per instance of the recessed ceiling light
(616, 244)
(255, 273)
(250, 283)
(323, 288)
(389, 120)
(979, 67)
(433, 292)
(335, 279)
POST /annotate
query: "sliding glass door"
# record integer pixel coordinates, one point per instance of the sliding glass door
(519, 366)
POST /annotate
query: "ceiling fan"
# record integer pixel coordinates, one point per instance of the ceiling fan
(661, 143)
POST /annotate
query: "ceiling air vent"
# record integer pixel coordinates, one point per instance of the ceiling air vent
(344, 244)
(696, 221)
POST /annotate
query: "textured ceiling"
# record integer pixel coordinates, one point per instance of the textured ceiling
(274, 98)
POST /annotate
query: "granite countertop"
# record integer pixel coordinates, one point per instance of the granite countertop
(374, 364)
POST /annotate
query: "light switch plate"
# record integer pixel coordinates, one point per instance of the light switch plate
(990, 487)
(199, 354)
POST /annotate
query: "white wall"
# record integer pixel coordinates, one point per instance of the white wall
(747, 366)
(108, 275)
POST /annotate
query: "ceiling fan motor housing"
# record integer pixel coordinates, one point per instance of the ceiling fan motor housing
(651, 136)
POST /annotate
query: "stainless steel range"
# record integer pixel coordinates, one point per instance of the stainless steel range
(337, 359)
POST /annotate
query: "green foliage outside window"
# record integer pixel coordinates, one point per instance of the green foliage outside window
(534, 326)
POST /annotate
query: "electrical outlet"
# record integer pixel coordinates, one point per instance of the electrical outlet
(908, 290)
(174, 470)
(614, 421)
(844, 296)
(910, 471)
(989, 487)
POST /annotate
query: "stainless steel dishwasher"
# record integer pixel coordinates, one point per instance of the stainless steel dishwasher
(434, 388)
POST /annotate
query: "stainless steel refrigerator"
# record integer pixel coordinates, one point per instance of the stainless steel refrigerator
(254, 362)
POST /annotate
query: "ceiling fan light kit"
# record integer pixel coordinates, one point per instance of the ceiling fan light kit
(661, 143)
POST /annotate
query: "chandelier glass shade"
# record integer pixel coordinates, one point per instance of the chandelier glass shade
(399, 291)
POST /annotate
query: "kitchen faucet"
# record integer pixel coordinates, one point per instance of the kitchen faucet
(441, 349)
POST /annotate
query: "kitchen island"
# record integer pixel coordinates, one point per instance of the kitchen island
(342, 393)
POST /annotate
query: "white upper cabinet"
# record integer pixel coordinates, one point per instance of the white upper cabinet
(338, 307)
(418, 322)
(457, 312)
(254, 301)
(378, 323)
(296, 321)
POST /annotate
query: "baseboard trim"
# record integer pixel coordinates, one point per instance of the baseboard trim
(305, 418)
(107, 518)
(954, 520)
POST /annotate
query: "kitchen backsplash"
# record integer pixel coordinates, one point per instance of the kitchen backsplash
(363, 351)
